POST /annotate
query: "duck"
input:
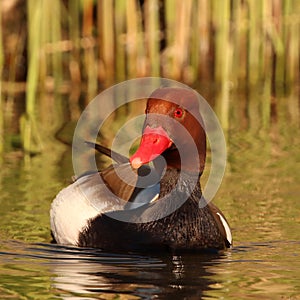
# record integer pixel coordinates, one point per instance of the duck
(149, 200)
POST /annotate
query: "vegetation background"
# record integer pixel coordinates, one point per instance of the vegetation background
(77, 48)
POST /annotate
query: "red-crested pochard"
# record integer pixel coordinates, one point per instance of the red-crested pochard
(134, 206)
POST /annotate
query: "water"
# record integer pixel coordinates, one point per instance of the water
(259, 195)
(267, 270)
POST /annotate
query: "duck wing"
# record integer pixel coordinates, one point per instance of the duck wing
(119, 186)
(136, 187)
(221, 223)
(121, 180)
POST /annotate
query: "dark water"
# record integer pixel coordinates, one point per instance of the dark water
(259, 195)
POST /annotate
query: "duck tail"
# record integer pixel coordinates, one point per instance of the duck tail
(117, 157)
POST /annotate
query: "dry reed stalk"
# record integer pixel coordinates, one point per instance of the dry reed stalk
(192, 70)
(107, 41)
(277, 38)
(254, 41)
(182, 36)
(221, 27)
(1, 97)
(74, 33)
(204, 31)
(183, 43)
(132, 38)
(120, 30)
(152, 36)
(56, 36)
(267, 49)
(141, 46)
(240, 41)
(294, 54)
(292, 41)
(167, 56)
(90, 62)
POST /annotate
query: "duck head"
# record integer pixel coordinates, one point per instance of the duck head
(172, 128)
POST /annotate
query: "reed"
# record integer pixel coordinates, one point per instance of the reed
(44, 30)
(89, 59)
(1, 51)
(120, 18)
(130, 39)
(291, 40)
(176, 39)
(221, 28)
(202, 40)
(152, 36)
(56, 35)
(170, 68)
(106, 40)
(184, 37)
(74, 34)
(191, 72)
(254, 43)
(28, 124)
(1, 100)
(92, 44)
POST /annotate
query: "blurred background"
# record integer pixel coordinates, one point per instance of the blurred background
(78, 48)
(241, 55)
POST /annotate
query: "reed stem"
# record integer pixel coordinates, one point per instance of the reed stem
(56, 36)
(30, 135)
(152, 35)
(221, 26)
(1, 98)
(107, 41)
(120, 23)
(132, 34)
(74, 32)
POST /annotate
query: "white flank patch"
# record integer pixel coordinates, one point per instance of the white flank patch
(69, 215)
(78, 203)
(227, 229)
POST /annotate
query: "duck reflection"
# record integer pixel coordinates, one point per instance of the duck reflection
(90, 274)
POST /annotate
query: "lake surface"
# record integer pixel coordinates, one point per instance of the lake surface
(259, 195)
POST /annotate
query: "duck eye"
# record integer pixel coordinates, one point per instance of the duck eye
(178, 113)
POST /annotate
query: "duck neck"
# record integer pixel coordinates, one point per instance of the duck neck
(181, 181)
(173, 159)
